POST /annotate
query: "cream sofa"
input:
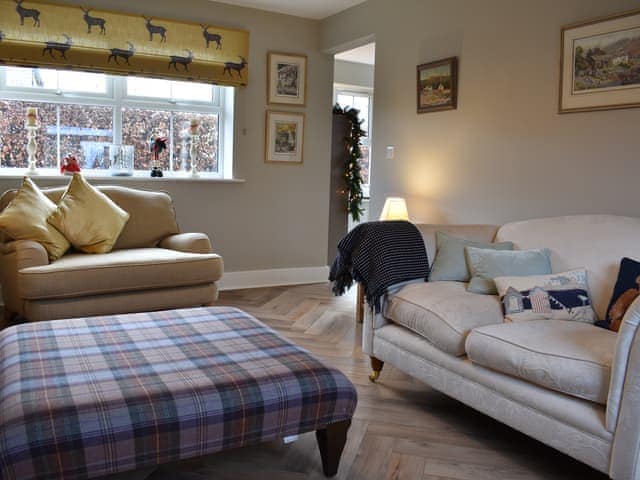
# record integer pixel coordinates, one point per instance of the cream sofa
(152, 266)
(571, 385)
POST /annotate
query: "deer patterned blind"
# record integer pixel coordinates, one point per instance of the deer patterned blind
(39, 34)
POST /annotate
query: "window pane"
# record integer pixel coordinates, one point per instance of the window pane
(32, 78)
(137, 127)
(148, 87)
(84, 132)
(197, 92)
(362, 104)
(345, 100)
(13, 136)
(82, 82)
(208, 151)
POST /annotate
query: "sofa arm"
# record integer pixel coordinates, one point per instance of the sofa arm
(16, 256)
(188, 242)
(623, 406)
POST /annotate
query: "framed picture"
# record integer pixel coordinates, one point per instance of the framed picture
(286, 79)
(284, 137)
(438, 85)
(600, 64)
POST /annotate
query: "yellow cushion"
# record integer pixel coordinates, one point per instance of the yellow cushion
(88, 218)
(25, 218)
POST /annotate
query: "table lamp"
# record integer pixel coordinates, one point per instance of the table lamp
(395, 208)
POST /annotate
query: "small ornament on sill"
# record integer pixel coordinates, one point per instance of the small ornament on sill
(157, 145)
(70, 165)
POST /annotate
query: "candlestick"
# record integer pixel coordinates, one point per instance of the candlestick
(32, 117)
(32, 147)
(194, 126)
(193, 153)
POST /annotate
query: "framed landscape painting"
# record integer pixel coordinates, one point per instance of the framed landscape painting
(438, 85)
(284, 137)
(286, 79)
(600, 67)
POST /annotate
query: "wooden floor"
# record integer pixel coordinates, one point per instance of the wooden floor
(402, 428)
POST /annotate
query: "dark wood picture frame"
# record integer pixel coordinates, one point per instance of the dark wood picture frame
(452, 102)
(590, 101)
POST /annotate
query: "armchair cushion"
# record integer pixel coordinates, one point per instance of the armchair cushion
(570, 357)
(25, 218)
(78, 274)
(188, 242)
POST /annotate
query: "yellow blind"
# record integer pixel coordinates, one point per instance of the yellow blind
(39, 34)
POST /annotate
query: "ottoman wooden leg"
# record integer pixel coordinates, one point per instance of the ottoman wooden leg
(331, 442)
(376, 367)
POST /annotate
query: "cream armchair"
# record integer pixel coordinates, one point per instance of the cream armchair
(152, 267)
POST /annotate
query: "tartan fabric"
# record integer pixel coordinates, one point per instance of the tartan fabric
(87, 397)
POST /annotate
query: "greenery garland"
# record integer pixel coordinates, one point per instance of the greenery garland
(352, 174)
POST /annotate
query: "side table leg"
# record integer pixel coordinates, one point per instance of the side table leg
(360, 303)
(331, 441)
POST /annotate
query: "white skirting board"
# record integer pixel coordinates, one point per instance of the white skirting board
(275, 277)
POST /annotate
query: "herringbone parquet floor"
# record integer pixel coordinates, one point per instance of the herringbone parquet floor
(402, 429)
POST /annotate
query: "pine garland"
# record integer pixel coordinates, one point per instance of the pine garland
(352, 174)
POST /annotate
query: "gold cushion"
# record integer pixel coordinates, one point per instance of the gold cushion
(88, 218)
(25, 218)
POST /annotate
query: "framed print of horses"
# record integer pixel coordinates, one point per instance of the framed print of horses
(600, 64)
(437, 87)
(286, 79)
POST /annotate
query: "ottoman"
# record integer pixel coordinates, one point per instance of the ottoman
(88, 397)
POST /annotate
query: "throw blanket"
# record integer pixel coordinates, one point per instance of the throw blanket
(379, 255)
(88, 397)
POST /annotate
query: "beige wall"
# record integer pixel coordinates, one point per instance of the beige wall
(505, 153)
(271, 220)
(351, 73)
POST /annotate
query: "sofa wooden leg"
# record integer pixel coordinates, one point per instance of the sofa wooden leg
(376, 366)
(331, 441)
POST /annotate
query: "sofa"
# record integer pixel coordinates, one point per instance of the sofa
(151, 267)
(571, 385)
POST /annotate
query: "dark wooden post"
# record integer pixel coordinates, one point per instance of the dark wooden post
(331, 442)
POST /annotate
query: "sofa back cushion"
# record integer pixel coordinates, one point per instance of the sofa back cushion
(476, 233)
(152, 216)
(595, 242)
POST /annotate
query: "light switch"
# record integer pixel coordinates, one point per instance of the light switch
(391, 151)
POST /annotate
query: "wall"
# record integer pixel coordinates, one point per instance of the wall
(505, 153)
(351, 73)
(264, 223)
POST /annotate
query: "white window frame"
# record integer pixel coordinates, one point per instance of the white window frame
(116, 97)
(353, 90)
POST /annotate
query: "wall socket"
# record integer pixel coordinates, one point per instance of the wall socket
(390, 152)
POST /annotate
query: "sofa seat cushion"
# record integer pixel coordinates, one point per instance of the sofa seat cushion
(443, 312)
(80, 274)
(569, 357)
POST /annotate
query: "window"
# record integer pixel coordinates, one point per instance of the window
(362, 101)
(82, 113)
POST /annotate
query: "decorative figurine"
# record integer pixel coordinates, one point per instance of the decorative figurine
(70, 165)
(158, 145)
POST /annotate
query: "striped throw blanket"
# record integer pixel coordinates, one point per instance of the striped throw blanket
(88, 397)
(379, 255)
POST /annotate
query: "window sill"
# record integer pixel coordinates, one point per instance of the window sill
(138, 177)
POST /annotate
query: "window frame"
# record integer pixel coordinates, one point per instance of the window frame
(116, 97)
(360, 91)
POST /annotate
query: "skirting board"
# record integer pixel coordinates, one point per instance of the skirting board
(273, 278)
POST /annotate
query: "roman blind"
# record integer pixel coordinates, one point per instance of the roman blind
(39, 34)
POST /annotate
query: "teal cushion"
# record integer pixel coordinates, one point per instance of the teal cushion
(485, 265)
(449, 263)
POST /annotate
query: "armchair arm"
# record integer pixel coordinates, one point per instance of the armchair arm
(188, 242)
(623, 406)
(15, 256)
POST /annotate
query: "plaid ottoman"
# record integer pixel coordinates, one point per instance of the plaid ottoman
(88, 397)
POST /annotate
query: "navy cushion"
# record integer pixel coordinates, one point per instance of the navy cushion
(624, 293)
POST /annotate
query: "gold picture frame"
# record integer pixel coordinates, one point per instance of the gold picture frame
(600, 64)
(286, 79)
(437, 85)
(284, 137)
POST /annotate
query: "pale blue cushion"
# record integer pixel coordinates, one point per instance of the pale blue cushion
(450, 264)
(485, 265)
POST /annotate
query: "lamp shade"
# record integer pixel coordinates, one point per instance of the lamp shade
(395, 208)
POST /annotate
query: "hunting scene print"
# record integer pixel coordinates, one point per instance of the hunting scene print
(44, 34)
(607, 61)
(437, 86)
